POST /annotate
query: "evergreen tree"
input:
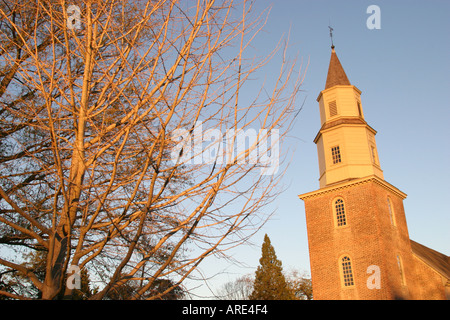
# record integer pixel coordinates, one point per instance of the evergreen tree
(270, 283)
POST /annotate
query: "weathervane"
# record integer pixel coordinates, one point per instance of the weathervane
(331, 36)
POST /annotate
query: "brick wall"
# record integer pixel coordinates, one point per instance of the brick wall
(429, 284)
(369, 239)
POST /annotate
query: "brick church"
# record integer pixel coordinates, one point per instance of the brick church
(358, 238)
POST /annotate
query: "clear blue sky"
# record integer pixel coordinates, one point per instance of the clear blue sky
(403, 71)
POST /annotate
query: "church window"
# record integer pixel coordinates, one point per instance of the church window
(347, 272)
(359, 109)
(400, 268)
(340, 212)
(391, 211)
(333, 108)
(336, 154)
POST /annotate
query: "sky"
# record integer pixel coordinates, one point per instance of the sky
(402, 70)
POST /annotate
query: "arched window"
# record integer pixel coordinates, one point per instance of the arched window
(391, 211)
(339, 211)
(347, 272)
(400, 269)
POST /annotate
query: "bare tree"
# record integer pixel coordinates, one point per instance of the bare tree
(300, 284)
(239, 289)
(105, 108)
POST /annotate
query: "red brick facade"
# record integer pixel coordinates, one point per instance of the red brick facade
(369, 238)
(429, 284)
(375, 238)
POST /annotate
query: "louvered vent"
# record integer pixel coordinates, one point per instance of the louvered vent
(359, 109)
(333, 108)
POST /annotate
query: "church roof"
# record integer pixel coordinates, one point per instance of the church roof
(436, 260)
(336, 74)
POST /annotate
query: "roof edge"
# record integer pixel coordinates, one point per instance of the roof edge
(439, 262)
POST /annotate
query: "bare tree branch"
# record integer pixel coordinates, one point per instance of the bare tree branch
(127, 145)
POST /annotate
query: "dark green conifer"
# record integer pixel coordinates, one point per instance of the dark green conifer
(270, 283)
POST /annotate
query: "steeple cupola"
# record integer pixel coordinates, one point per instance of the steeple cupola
(345, 143)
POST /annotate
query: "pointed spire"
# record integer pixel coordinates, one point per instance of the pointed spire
(336, 74)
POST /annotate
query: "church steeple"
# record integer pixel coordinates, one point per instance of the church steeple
(358, 240)
(345, 143)
(336, 74)
(355, 220)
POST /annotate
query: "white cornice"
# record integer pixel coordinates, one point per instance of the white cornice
(336, 87)
(351, 183)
